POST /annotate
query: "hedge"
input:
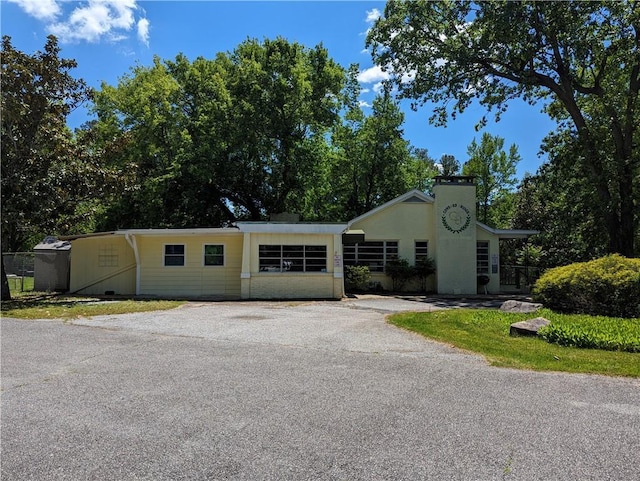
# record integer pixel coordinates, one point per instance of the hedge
(609, 286)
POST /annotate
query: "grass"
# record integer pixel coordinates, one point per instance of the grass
(486, 332)
(51, 306)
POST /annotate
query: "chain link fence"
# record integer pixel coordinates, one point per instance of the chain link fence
(19, 269)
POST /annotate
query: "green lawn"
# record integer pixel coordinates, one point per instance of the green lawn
(51, 306)
(486, 332)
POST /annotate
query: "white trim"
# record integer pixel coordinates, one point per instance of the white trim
(224, 254)
(131, 240)
(412, 193)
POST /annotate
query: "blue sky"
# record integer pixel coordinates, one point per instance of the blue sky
(108, 37)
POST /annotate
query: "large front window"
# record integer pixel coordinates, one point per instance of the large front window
(482, 257)
(374, 254)
(292, 258)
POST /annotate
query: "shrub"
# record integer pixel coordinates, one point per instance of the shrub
(609, 286)
(400, 272)
(423, 269)
(356, 278)
(598, 332)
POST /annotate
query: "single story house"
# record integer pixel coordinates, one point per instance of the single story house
(261, 260)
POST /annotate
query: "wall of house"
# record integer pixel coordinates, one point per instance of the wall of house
(258, 284)
(455, 211)
(194, 278)
(406, 223)
(102, 265)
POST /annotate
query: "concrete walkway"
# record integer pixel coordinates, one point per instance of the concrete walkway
(295, 391)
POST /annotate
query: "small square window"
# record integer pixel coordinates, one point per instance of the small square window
(213, 255)
(174, 255)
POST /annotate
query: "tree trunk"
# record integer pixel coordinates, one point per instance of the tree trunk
(6, 293)
(625, 236)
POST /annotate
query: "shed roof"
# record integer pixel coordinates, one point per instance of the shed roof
(52, 243)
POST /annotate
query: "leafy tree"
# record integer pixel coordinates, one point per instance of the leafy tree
(495, 173)
(48, 177)
(583, 58)
(450, 166)
(562, 205)
(210, 141)
(373, 163)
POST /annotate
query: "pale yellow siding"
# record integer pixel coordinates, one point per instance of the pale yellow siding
(284, 285)
(406, 223)
(456, 250)
(194, 279)
(100, 265)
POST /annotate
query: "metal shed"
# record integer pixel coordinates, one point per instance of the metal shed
(51, 265)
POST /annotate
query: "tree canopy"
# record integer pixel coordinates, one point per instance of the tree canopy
(50, 182)
(581, 59)
(495, 173)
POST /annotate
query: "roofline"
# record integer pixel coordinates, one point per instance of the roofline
(508, 233)
(397, 200)
(291, 228)
(83, 236)
(154, 232)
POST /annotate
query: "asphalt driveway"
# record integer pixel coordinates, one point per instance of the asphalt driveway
(292, 391)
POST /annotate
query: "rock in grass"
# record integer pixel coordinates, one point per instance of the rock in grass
(529, 327)
(520, 306)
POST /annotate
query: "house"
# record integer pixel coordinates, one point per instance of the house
(257, 260)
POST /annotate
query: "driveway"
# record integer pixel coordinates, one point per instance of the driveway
(291, 391)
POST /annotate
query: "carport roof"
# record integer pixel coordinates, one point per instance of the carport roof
(508, 233)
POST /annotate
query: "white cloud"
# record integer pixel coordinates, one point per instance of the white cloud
(143, 31)
(372, 74)
(373, 15)
(364, 104)
(377, 88)
(40, 9)
(90, 21)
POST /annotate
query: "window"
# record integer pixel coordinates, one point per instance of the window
(213, 255)
(421, 251)
(482, 256)
(107, 256)
(374, 254)
(292, 258)
(174, 255)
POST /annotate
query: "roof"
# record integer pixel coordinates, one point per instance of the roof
(508, 233)
(292, 228)
(413, 196)
(51, 243)
(158, 232)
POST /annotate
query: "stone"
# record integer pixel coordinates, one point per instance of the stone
(520, 306)
(529, 327)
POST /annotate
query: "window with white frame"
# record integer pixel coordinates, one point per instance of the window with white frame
(213, 255)
(421, 251)
(174, 255)
(482, 256)
(292, 258)
(374, 254)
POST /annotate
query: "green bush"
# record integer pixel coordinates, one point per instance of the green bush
(356, 278)
(423, 269)
(400, 272)
(598, 332)
(609, 286)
